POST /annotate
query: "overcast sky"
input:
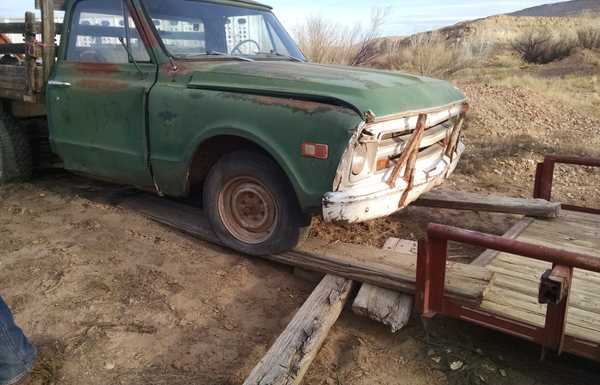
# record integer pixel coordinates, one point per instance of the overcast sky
(405, 16)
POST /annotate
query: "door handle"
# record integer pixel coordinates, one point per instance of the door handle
(58, 83)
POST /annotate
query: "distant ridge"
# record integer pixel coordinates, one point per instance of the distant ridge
(567, 8)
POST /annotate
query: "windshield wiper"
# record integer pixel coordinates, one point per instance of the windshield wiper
(292, 58)
(219, 53)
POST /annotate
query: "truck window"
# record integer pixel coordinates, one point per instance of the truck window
(96, 32)
(181, 36)
(196, 28)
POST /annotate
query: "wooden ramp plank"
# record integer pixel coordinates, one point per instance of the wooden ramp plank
(292, 353)
(382, 268)
(513, 289)
(383, 305)
(489, 255)
(459, 200)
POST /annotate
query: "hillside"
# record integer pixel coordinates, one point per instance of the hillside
(504, 28)
(567, 8)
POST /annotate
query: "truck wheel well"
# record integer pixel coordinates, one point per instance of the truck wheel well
(210, 151)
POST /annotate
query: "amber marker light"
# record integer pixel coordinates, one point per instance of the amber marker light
(315, 150)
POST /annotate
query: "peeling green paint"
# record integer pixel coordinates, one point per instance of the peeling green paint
(144, 130)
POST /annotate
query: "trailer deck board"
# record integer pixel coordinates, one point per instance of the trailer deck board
(513, 289)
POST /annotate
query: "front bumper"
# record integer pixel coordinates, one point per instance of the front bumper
(380, 200)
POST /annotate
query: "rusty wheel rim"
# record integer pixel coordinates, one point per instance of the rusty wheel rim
(248, 210)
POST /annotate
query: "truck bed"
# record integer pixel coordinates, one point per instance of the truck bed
(26, 65)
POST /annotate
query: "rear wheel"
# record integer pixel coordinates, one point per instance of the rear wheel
(15, 151)
(251, 205)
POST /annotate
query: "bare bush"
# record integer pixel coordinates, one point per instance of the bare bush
(589, 38)
(325, 42)
(432, 54)
(541, 47)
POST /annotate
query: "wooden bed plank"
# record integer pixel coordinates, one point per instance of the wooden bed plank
(537, 320)
(513, 289)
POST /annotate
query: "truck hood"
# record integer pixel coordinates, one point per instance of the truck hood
(381, 92)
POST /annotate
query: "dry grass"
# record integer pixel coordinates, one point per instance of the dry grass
(576, 90)
(323, 41)
(432, 54)
(589, 38)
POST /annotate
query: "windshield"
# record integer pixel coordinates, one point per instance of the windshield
(192, 28)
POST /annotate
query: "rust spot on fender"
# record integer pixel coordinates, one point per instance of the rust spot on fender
(102, 84)
(307, 106)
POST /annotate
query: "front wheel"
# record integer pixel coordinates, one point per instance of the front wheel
(251, 206)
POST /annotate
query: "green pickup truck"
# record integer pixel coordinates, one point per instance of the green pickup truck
(213, 99)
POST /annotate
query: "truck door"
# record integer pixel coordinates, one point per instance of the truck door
(97, 94)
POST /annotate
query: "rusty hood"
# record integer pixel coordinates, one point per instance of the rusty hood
(381, 92)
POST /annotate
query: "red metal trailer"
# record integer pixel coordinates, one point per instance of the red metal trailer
(554, 262)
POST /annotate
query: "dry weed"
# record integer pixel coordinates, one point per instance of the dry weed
(589, 38)
(433, 55)
(542, 46)
(323, 41)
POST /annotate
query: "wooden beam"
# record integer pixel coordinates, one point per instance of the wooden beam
(59, 5)
(292, 353)
(30, 57)
(458, 200)
(381, 268)
(19, 28)
(383, 305)
(489, 255)
(12, 77)
(13, 48)
(48, 37)
(386, 306)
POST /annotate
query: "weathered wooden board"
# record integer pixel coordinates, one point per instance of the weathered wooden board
(389, 307)
(289, 358)
(59, 5)
(513, 290)
(382, 268)
(19, 28)
(459, 200)
(488, 256)
(13, 48)
(12, 77)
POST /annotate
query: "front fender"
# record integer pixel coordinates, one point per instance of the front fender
(182, 119)
(260, 139)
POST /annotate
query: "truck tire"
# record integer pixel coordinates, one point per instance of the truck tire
(251, 206)
(15, 151)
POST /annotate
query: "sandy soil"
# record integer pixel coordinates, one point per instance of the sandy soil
(113, 298)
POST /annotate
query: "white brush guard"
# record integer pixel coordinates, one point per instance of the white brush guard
(405, 156)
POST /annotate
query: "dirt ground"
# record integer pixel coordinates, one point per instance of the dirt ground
(113, 298)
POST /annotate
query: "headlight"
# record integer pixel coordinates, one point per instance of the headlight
(359, 159)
